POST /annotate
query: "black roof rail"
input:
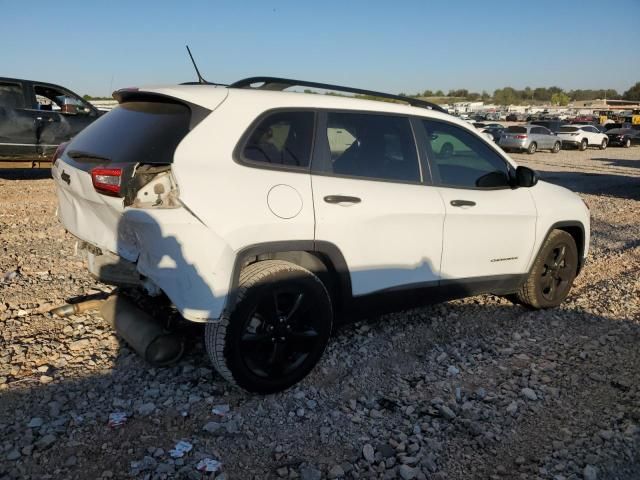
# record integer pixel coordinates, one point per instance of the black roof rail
(277, 84)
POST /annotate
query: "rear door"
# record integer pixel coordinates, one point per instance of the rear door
(17, 127)
(370, 201)
(489, 229)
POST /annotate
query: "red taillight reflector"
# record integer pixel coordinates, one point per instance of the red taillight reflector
(520, 137)
(107, 180)
(59, 151)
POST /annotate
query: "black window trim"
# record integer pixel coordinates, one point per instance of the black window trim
(317, 165)
(321, 158)
(434, 171)
(238, 151)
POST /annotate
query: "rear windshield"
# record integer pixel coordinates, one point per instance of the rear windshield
(135, 132)
(568, 129)
(517, 130)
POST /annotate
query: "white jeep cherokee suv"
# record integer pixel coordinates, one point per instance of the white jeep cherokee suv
(266, 214)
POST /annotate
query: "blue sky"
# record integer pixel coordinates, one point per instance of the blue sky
(401, 46)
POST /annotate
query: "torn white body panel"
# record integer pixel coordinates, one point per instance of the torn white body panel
(183, 257)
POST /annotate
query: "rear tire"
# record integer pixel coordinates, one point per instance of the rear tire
(277, 330)
(603, 144)
(556, 147)
(583, 145)
(553, 272)
(532, 148)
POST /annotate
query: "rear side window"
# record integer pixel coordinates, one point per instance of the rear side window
(461, 159)
(282, 138)
(378, 147)
(11, 96)
(514, 129)
(135, 132)
(567, 129)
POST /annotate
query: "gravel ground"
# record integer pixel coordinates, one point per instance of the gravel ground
(477, 388)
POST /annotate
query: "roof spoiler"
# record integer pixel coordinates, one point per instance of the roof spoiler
(278, 84)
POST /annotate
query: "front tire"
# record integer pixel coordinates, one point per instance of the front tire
(277, 331)
(603, 144)
(532, 148)
(553, 272)
(627, 143)
(556, 147)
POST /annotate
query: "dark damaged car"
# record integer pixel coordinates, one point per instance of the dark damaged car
(35, 117)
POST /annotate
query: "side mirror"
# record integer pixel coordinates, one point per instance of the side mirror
(526, 177)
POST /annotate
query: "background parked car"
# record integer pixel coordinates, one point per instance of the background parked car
(529, 138)
(35, 117)
(582, 136)
(610, 126)
(623, 137)
(553, 125)
(495, 130)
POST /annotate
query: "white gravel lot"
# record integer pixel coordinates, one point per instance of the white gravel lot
(476, 388)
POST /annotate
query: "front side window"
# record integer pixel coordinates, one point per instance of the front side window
(11, 96)
(53, 99)
(372, 146)
(282, 138)
(462, 159)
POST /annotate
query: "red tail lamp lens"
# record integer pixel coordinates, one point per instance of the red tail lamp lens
(107, 180)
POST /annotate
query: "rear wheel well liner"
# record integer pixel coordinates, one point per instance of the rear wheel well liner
(324, 259)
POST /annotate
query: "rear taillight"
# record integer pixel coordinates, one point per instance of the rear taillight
(520, 137)
(58, 153)
(107, 180)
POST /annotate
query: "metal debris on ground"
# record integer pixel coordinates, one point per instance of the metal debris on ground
(180, 449)
(208, 465)
(117, 419)
(221, 410)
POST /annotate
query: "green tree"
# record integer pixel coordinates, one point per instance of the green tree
(427, 93)
(560, 98)
(633, 93)
(505, 96)
(439, 93)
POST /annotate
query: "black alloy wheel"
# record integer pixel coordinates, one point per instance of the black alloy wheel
(281, 333)
(277, 331)
(557, 274)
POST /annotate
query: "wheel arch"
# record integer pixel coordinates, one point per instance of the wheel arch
(576, 230)
(323, 259)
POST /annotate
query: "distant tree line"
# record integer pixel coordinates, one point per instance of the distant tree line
(555, 95)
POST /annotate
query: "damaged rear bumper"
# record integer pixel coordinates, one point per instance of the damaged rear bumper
(171, 250)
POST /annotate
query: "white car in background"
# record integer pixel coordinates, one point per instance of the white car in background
(268, 215)
(582, 136)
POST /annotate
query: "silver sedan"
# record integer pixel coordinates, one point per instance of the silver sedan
(529, 138)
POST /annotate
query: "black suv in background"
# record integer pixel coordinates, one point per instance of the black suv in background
(553, 125)
(35, 117)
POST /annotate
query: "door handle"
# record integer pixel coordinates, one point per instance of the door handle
(462, 203)
(341, 199)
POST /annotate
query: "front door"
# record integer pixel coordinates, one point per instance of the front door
(371, 203)
(489, 229)
(59, 115)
